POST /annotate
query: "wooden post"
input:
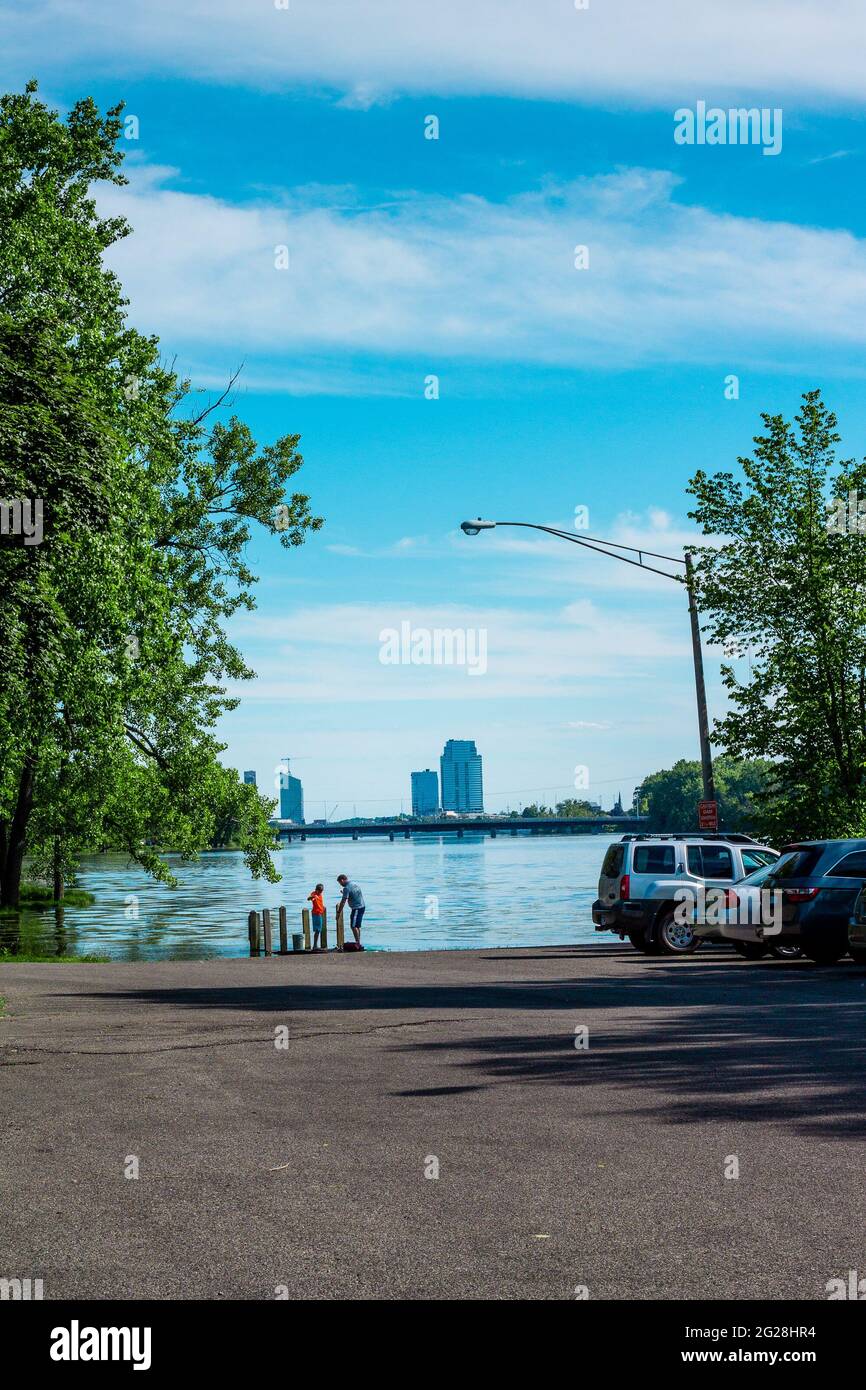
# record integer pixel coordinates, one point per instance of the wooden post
(340, 939)
(266, 924)
(253, 921)
(325, 930)
(305, 918)
(284, 933)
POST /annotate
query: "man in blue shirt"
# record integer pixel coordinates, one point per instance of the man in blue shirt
(357, 907)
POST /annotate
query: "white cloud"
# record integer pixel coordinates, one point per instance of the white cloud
(466, 278)
(330, 653)
(368, 50)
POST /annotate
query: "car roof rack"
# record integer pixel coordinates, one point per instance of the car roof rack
(734, 837)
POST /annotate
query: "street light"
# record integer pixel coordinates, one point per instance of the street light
(472, 528)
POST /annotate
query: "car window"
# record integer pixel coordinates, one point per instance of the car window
(612, 865)
(756, 858)
(718, 861)
(654, 859)
(710, 861)
(760, 875)
(852, 866)
(797, 862)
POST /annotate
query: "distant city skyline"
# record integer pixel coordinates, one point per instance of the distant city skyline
(465, 782)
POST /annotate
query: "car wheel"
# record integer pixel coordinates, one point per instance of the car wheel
(858, 953)
(675, 938)
(638, 938)
(825, 949)
(786, 952)
(750, 950)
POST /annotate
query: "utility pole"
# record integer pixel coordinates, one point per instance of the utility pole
(700, 689)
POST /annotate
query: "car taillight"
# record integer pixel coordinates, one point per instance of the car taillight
(731, 899)
(800, 895)
(623, 889)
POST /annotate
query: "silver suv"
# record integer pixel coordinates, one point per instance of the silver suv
(642, 875)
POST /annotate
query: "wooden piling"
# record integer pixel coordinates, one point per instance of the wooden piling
(324, 936)
(253, 923)
(340, 938)
(266, 926)
(305, 918)
(284, 933)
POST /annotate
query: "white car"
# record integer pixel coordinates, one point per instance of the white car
(643, 876)
(746, 914)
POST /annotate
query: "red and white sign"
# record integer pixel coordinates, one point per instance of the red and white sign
(708, 815)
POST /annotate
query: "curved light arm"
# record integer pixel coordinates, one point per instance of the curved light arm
(472, 528)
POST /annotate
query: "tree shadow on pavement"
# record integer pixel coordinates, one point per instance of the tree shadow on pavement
(781, 1043)
(685, 1040)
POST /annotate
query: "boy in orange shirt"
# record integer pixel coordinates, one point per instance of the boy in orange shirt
(318, 901)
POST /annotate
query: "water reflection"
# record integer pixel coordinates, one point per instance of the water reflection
(436, 893)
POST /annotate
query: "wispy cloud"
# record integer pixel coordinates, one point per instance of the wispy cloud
(305, 655)
(443, 278)
(366, 53)
(827, 158)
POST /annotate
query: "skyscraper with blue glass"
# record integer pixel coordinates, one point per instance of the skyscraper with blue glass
(461, 779)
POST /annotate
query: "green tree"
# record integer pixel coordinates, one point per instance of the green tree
(784, 585)
(114, 655)
(575, 809)
(670, 797)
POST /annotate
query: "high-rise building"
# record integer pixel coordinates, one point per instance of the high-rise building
(291, 798)
(425, 793)
(462, 786)
(250, 779)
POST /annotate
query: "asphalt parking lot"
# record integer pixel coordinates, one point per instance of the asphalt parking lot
(287, 1120)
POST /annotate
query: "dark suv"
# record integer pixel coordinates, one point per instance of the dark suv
(820, 882)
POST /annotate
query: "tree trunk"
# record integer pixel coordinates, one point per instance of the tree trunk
(16, 838)
(58, 870)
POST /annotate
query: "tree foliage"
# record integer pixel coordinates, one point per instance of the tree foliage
(115, 657)
(669, 798)
(786, 593)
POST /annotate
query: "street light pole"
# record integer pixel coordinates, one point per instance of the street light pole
(472, 528)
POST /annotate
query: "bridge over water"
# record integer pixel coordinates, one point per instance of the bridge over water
(542, 825)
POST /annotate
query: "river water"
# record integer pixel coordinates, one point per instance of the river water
(424, 893)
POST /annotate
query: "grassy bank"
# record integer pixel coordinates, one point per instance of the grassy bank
(35, 897)
(27, 957)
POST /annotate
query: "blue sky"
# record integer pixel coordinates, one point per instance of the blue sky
(261, 127)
